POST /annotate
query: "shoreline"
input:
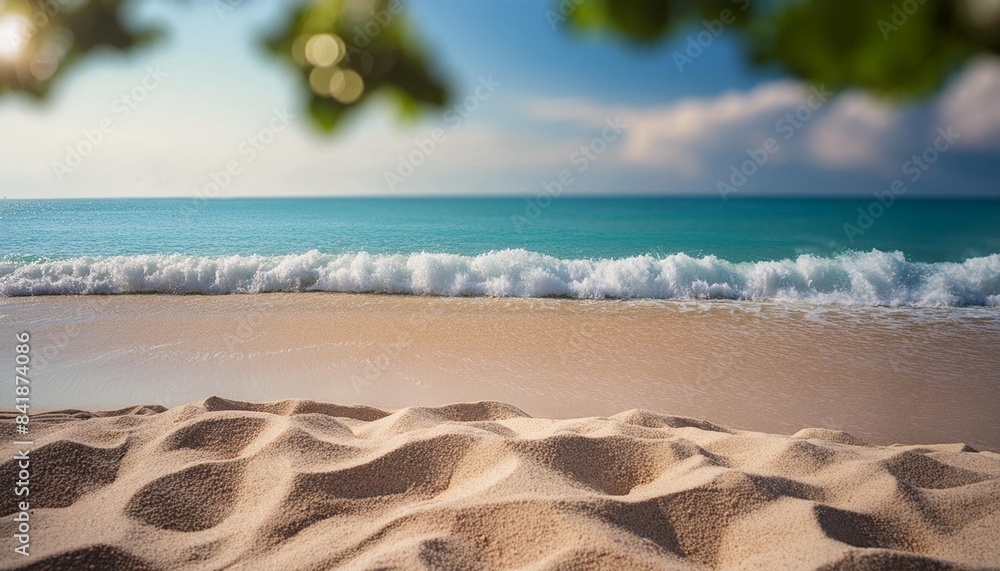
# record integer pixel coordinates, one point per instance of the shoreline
(790, 303)
(887, 376)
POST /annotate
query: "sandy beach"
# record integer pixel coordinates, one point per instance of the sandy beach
(908, 375)
(550, 285)
(587, 454)
(307, 485)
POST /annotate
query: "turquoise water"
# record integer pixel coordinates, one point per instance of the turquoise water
(916, 252)
(735, 230)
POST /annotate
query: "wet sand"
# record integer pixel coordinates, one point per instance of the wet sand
(928, 376)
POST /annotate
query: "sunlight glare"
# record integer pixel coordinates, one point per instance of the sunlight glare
(15, 31)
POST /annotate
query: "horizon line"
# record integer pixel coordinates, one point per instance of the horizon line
(820, 196)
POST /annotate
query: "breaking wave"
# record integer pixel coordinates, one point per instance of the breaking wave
(872, 278)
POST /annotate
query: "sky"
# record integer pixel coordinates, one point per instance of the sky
(556, 113)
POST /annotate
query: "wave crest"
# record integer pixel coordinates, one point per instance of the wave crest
(859, 278)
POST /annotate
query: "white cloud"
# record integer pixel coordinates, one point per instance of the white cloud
(972, 105)
(686, 133)
(854, 131)
(859, 131)
(686, 136)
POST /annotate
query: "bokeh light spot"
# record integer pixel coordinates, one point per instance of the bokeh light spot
(43, 67)
(319, 80)
(299, 50)
(324, 50)
(346, 86)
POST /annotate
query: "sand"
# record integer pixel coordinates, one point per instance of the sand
(885, 375)
(300, 484)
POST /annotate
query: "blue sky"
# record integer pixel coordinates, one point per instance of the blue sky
(554, 93)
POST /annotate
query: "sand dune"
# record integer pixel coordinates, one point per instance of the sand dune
(307, 485)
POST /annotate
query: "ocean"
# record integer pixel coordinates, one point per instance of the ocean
(937, 253)
(756, 313)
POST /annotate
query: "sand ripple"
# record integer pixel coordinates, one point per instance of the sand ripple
(307, 485)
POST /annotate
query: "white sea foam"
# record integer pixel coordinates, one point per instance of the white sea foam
(861, 278)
